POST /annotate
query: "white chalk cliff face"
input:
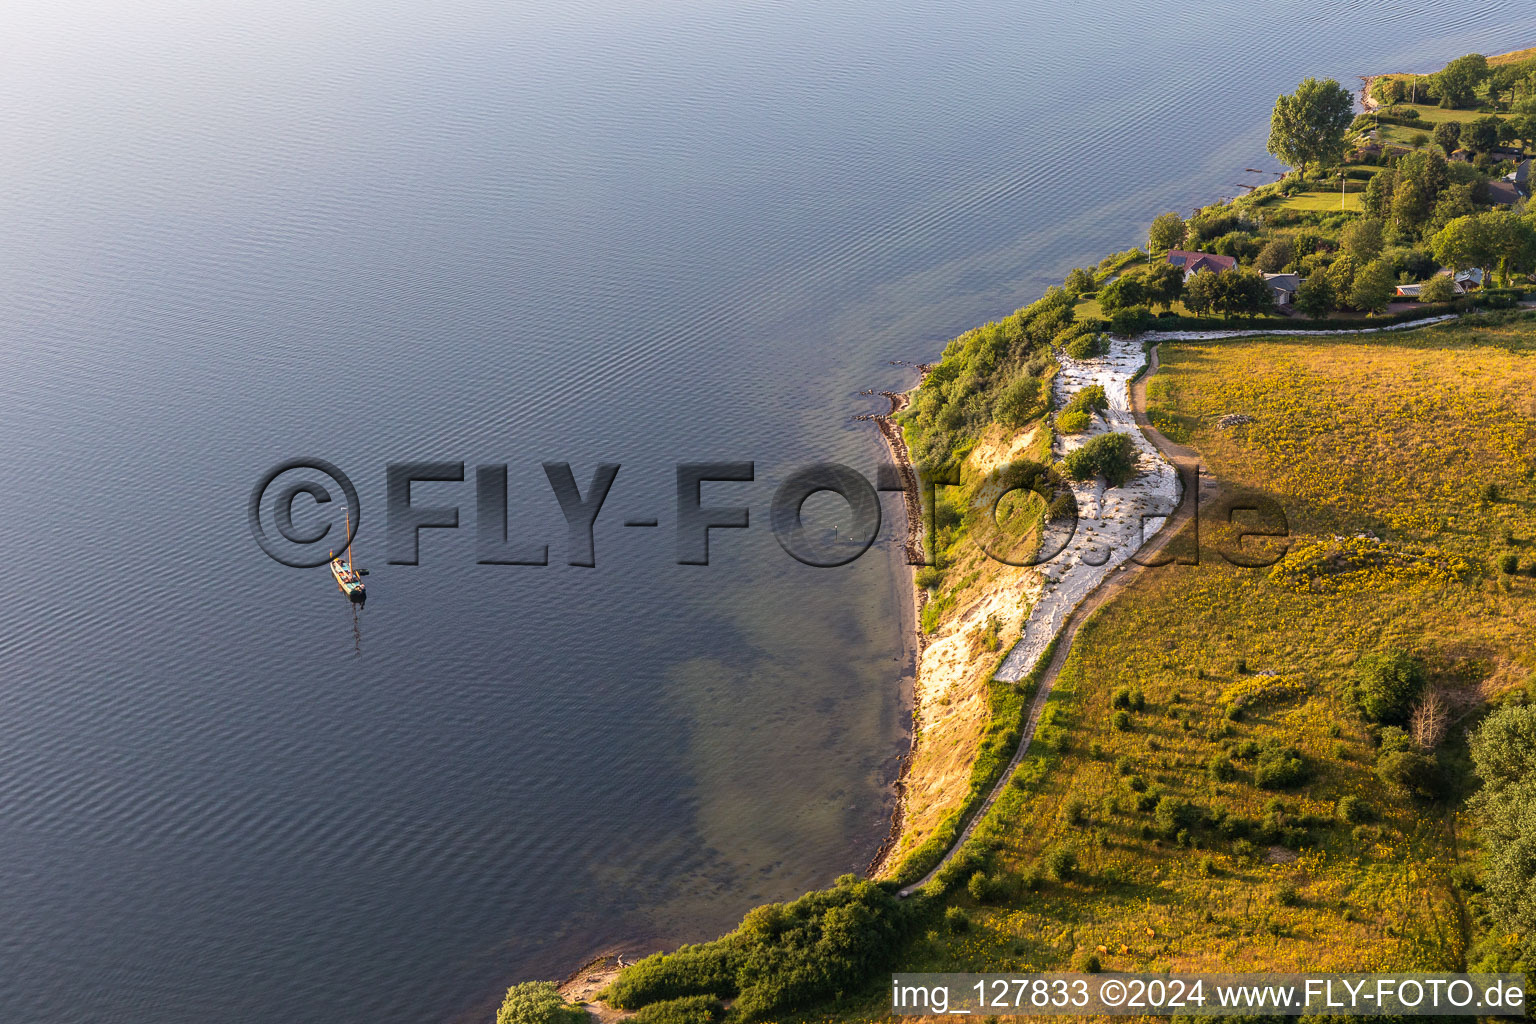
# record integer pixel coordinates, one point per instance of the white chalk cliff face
(1112, 523)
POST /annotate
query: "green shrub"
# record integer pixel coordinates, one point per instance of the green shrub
(1019, 401)
(957, 920)
(1279, 767)
(687, 1010)
(1072, 421)
(1090, 399)
(1220, 768)
(1410, 772)
(1286, 894)
(1121, 698)
(985, 888)
(705, 969)
(1173, 815)
(1130, 320)
(537, 1002)
(1121, 720)
(1088, 346)
(1112, 456)
(1061, 863)
(1353, 810)
(1087, 962)
(1385, 685)
(1510, 563)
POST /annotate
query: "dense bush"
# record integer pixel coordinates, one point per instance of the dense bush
(1112, 456)
(687, 1010)
(1353, 810)
(985, 888)
(1079, 282)
(1061, 863)
(995, 371)
(1077, 414)
(1279, 767)
(1410, 772)
(706, 969)
(784, 955)
(1130, 320)
(1173, 814)
(1019, 401)
(538, 1002)
(1385, 685)
(1072, 421)
(1220, 768)
(1087, 346)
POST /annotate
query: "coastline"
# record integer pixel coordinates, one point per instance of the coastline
(1130, 418)
(912, 604)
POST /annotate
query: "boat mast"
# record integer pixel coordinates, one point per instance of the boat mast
(349, 538)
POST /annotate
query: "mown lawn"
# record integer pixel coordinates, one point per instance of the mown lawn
(1327, 201)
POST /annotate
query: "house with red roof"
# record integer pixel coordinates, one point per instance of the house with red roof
(1194, 262)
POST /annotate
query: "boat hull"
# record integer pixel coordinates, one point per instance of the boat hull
(349, 583)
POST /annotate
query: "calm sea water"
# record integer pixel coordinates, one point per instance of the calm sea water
(517, 233)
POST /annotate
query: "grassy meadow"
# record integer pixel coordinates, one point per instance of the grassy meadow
(1404, 464)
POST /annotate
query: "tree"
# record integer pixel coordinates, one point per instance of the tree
(1522, 122)
(1501, 80)
(1510, 241)
(1163, 284)
(1420, 179)
(1308, 125)
(1456, 83)
(1315, 296)
(1455, 201)
(1447, 135)
(1386, 684)
(1373, 287)
(1341, 275)
(1122, 293)
(1129, 320)
(1388, 92)
(1276, 255)
(1362, 239)
(1504, 756)
(1078, 281)
(537, 1002)
(1439, 288)
(1377, 199)
(1244, 293)
(1482, 134)
(1168, 232)
(1201, 292)
(1464, 243)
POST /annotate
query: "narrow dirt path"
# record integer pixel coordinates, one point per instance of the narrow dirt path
(1187, 461)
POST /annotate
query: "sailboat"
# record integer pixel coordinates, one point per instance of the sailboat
(348, 578)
